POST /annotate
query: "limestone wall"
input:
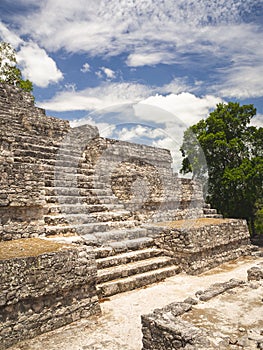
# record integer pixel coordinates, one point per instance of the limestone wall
(198, 245)
(27, 137)
(52, 174)
(142, 180)
(43, 286)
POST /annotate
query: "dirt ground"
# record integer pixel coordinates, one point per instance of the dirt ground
(119, 327)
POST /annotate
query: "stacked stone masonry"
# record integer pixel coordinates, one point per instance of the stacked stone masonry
(45, 291)
(194, 325)
(52, 176)
(110, 200)
(201, 244)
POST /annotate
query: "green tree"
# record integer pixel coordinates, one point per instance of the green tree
(234, 154)
(9, 72)
(259, 221)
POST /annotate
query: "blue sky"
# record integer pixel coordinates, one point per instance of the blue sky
(142, 70)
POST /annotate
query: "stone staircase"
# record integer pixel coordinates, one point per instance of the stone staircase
(81, 207)
(131, 269)
(123, 248)
(211, 213)
(79, 203)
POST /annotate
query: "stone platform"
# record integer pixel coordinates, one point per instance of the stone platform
(202, 243)
(44, 285)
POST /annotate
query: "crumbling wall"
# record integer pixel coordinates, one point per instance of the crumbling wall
(164, 330)
(44, 291)
(224, 316)
(141, 178)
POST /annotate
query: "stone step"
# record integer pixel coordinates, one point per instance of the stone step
(70, 167)
(207, 206)
(51, 156)
(71, 173)
(120, 235)
(70, 200)
(132, 268)
(84, 218)
(128, 257)
(209, 211)
(86, 169)
(81, 208)
(48, 149)
(214, 216)
(131, 244)
(82, 199)
(136, 281)
(36, 140)
(124, 246)
(89, 228)
(77, 191)
(77, 180)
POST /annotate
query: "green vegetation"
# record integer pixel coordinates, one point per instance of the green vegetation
(9, 72)
(259, 220)
(234, 154)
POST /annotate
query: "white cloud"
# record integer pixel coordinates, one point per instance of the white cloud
(35, 63)
(108, 72)
(37, 66)
(106, 95)
(151, 58)
(148, 104)
(187, 107)
(105, 129)
(70, 87)
(85, 68)
(151, 32)
(257, 121)
(150, 28)
(176, 86)
(242, 82)
(9, 36)
(139, 131)
(99, 74)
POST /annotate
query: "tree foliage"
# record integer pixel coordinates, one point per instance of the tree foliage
(234, 155)
(9, 72)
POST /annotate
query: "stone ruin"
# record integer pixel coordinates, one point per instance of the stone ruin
(84, 217)
(225, 316)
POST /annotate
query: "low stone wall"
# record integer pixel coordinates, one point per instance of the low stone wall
(204, 323)
(255, 273)
(43, 286)
(201, 244)
(163, 330)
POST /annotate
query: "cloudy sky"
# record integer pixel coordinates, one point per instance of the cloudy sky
(142, 70)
